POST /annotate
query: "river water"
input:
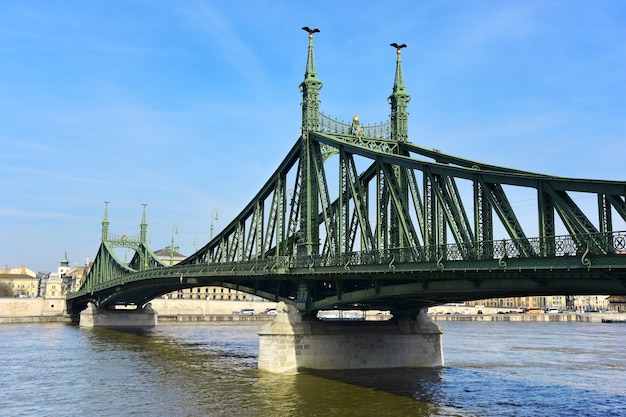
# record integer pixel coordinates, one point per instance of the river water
(209, 369)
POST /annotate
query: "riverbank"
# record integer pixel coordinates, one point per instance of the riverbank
(192, 318)
(522, 317)
(34, 319)
(32, 310)
(40, 310)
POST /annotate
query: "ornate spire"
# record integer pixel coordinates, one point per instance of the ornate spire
(65, 261)
(399, 99)
(310, 59)
(143, 226)
(105, 222)
(310, 88)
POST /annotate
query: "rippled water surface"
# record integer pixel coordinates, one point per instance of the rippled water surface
(209, 369)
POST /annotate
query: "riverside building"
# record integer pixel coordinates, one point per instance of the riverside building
(22, 281)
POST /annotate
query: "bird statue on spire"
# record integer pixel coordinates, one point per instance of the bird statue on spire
(311, 31)
(398, 47)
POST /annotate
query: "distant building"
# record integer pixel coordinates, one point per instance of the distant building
(170, 256)
(618, 303)
(54, 286)
(22, 281)
(584, 303)
(75, 276)
(41, 278)
(63, 268)
(64, 265)
(560, 302)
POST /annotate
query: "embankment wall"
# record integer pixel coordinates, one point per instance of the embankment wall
(32, 310)
(40, 310)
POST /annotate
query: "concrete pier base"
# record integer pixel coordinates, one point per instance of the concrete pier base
(289, 344)
(142, 317)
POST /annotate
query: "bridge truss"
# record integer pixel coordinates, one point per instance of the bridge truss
(356, 216)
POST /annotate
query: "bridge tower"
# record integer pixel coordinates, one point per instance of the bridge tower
(292, 342)
(310, 157)
(107, 267)
(399, 100)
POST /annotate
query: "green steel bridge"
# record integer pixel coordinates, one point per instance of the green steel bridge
(358, 217)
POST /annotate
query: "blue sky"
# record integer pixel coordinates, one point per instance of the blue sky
(190, 105)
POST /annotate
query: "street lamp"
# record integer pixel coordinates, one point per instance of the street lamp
(213, 217)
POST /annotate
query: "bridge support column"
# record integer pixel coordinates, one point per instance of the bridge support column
(141, 317)
(288, 344)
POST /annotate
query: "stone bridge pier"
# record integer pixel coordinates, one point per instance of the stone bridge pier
(289, 344)
(141, 317)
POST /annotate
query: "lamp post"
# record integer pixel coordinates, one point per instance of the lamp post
(213, 217)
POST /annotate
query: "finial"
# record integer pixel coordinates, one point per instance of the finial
(310, 88)
(398, 47)
(311, 31)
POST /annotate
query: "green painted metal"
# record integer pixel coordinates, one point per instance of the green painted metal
(107, 266)
(399, 101)
(356, 216)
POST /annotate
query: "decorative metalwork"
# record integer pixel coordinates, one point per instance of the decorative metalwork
(329, 124)
(124, 238)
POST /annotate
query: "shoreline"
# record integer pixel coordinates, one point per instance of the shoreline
(20, 311)
(189, 318)
(165, 319)
(542, 317)
(34, 319)
(170, 311)
(169, 319)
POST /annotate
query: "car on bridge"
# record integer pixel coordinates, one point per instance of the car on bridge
(245, 312)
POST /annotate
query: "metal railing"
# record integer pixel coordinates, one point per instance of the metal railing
(547, 247)
(582, 246)
(331, 125)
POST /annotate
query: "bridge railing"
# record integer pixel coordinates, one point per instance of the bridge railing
(433, 257)
(544, 247)
(500, 250)
(328, 124)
